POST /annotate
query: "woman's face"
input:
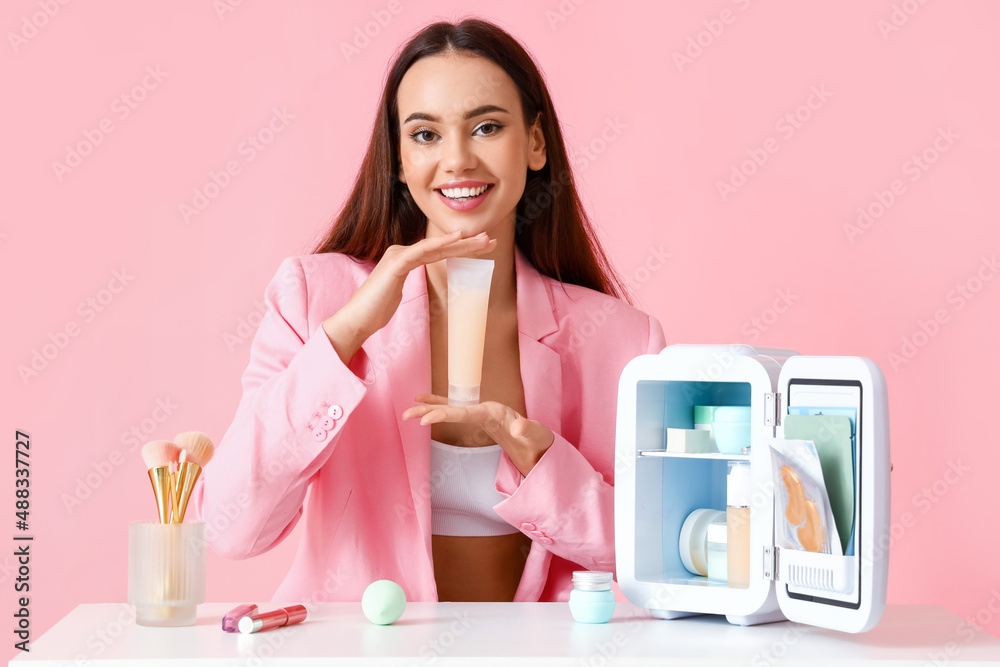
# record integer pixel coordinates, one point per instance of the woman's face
(461, 126)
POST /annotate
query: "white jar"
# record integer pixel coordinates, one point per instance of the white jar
(693, 541)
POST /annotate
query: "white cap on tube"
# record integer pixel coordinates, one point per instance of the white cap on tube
(739, 484)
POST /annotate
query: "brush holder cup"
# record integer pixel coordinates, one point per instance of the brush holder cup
(166, 571)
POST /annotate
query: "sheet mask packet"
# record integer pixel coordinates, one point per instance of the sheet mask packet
(832, 436)
(802, 506)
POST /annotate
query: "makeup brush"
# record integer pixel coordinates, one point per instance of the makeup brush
(196, 451)
(158, 455)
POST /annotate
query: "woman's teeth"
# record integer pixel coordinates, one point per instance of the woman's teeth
(464, 194)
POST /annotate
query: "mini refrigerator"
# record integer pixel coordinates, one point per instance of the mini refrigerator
(656, 490)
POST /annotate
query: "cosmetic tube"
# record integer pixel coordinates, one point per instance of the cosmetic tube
(231, 621)
(273, 619)
(468, 302)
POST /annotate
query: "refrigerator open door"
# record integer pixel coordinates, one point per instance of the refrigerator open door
(841, 592)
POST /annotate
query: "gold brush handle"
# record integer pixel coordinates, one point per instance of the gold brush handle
(173, 496)
(159, 477)
(187, 475)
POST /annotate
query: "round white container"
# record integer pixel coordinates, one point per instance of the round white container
(693, 543)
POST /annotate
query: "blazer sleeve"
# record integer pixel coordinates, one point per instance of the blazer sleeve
(563, 502)
(251, 493)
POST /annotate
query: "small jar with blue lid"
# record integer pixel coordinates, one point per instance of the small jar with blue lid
(592, 600)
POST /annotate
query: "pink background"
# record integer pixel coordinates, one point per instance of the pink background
(779, 259)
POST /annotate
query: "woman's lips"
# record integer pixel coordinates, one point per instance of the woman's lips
(458, 205)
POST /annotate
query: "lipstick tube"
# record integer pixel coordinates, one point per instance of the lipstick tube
(230, 622)
(273, 619)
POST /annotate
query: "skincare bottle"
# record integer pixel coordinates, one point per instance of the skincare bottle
(592, 600)
(738, 490)
(716, 556)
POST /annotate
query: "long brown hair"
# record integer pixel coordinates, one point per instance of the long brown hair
(552, 228)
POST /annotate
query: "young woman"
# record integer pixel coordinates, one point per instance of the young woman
(345, 392)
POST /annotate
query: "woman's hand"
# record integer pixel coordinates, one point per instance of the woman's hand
(374, 303)
(524, 440)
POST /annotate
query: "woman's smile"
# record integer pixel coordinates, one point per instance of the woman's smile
(463, 195)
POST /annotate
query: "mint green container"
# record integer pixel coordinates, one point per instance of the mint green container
(703, 416)
(731, 428)
(592, 600)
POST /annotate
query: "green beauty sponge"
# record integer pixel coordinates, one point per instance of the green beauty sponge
(383, 602)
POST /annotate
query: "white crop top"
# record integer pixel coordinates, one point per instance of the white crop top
(463, 491)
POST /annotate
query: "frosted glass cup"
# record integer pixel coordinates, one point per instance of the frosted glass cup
(166, 571)
(468, 302)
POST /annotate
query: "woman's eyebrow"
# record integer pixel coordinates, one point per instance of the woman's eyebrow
(478, 111)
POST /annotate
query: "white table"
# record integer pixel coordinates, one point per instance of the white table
(489, 633)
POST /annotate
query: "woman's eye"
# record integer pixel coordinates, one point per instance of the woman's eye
(418, 135)
(493, 128)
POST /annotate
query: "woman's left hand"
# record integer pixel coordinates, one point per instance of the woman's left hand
(524, 440)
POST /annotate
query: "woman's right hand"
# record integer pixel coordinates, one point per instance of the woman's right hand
(375, 302)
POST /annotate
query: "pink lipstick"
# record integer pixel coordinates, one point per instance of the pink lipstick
(273, 619)
(230, 622)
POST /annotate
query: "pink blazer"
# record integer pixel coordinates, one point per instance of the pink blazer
(308, 422)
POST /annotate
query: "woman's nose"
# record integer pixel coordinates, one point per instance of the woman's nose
(457, 154)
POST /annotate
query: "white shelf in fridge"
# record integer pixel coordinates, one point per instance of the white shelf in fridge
(662, 453)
